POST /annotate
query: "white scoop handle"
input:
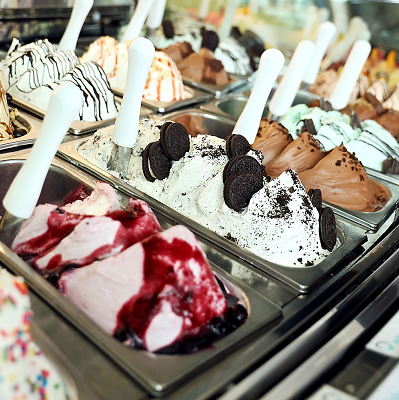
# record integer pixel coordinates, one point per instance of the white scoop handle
(24, 192)
(136, 23)
(140, 56)
(155, 17)
(287, 88)
(325, 33)
(81, 9)
(203, 10)
(225, 29)
(339, 50)
(271, 62)
(354, 64)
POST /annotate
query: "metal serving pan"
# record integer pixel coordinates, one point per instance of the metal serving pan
(301, 279)
(77, 127)
(33, 128)
(221, 90)
(193, 96)
(232, 105)
(156, 373)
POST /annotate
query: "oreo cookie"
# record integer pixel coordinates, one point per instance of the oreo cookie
(144, 163)
(328, 229)
(243, 163)
(159, 162)
(316, 199)
(175, 140)
(237, 145)
(240, 188)
(210, 40)
(228, 144)
(168, 29)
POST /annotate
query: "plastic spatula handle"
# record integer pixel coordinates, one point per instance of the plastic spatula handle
(287, 88)
(354, 64)
(79, 13)
(24, 192)
(225, 29)
(140, 56)
(136, 23)
(271, 62)
(155, 17)
(203, 10)
(325, 33)
(356, 27)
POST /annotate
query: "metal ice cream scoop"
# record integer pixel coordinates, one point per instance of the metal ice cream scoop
(140, 56)
(24, 192)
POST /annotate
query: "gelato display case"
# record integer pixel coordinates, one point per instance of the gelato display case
(318, 325)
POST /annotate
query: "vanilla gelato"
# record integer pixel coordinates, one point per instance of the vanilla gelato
(34, 70)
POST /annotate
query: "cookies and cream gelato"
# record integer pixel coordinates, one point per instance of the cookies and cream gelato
(278, 217)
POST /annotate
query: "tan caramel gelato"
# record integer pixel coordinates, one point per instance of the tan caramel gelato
(203, 67)
(344, 182)
(178, 51)
(272, 138)
(300, 155)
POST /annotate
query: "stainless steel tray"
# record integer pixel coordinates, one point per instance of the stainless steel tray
(33, 128)
(156, 373)
(77, 127)
(301, 279)
(232, 105)
(193, 96)
(221, 90)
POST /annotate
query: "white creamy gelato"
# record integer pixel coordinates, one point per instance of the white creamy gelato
(90, 78)
(280, 224)
(34, 70)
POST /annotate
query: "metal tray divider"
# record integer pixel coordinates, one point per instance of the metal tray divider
(194, 96)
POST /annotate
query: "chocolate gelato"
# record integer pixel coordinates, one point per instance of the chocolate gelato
(344, 182)
(272, 138)
(300, 155)
(203, 67)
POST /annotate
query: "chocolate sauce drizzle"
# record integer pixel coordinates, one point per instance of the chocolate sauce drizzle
(91, 79)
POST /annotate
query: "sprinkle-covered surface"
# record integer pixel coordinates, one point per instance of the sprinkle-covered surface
(25, 372)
